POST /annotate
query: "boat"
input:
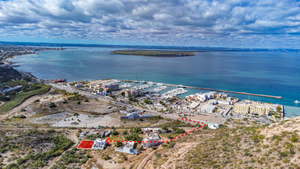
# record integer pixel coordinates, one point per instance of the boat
(296, 101)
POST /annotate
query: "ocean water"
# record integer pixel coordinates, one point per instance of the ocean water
(271, 73)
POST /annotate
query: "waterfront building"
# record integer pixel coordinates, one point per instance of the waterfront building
(254, 108)
(110, 86)
(259, 109)
(132, 93)
(241, 108)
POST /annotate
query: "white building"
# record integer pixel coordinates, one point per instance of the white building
(128, 148)
(213, 126)
(151, 140)
(132, 115)
(99, 144)
(208, 108)
(78, 85)
(83, 134)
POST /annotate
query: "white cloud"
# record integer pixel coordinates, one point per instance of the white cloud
(236, 23)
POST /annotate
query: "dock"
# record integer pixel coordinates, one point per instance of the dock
(217, 90)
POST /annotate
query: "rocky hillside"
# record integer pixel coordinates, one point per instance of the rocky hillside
(274, 146)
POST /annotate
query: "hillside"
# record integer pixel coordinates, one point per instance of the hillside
(242, 147)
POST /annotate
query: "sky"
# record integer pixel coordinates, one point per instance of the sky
(203, 23)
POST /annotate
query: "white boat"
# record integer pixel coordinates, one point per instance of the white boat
(296, 101)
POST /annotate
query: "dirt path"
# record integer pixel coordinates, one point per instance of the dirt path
(183, 148)
(24, 104)
(145, 160)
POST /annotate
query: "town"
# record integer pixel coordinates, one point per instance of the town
(125, 119)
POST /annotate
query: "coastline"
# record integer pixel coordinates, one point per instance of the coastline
(155, 53)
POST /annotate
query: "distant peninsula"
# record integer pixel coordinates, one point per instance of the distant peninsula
(154, 53)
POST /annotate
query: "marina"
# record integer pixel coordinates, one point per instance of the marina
(217, 90)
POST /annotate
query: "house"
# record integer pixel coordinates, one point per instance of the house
(151, 140)
(83, 134)
(78, 85)
(128, 148)
(150, 130)
(213, 126)
(99, 144)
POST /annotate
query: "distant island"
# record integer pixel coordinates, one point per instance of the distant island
(154, 53)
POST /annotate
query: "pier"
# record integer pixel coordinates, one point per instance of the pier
(217, 90)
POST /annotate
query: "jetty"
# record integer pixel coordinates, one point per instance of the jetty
(217, 90)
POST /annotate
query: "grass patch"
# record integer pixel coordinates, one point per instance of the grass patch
(21, 97)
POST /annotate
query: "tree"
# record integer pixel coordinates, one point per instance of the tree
(124, 132)
(86, 100)
(114, 132)
(78, 102)
(52, 105)
(133, 137)
(164, 128)
(161, 102)
(278, 108)
(123, 93)
(137, 130)
(147, 101)
(106, 157)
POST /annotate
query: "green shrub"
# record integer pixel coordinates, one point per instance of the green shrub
(294, 139)
(106, 157)
(171, 145)
(118, 144)
(286, 160)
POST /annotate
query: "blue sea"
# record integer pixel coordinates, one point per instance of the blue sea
(270, 73)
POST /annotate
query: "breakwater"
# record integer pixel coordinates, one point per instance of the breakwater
(217, 90)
